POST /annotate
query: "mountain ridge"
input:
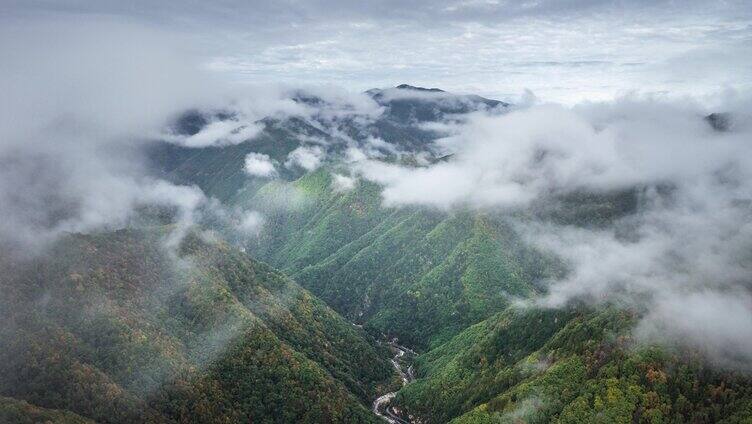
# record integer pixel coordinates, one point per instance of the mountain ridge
(153, 347)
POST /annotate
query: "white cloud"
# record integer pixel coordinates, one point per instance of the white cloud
(220, 133)
(306, 157)
(259, 165)
(342, 183)
(512, 159)
(690, 238)
(506, 161)
(251, 222)
(79, 97)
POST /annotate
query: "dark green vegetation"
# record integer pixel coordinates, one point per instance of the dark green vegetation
(417, 274)
(111, 328)
(20, 412)
(442, 282)
(445, 283)
(569, 366)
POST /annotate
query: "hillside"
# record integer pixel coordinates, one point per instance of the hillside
(569, 366)
(449, 282)
(20, 412)
(370, 212)
(110, 327)
(442, 282)
(417, 274)
(346, 248)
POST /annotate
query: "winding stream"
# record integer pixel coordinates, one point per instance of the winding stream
(381, 406)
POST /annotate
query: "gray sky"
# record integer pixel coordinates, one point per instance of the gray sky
(564, 51)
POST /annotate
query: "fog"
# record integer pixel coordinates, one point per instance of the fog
(306, 157)
(515, 158)
(259, 165)
(684, 257)
(79, 98)
(82, 96)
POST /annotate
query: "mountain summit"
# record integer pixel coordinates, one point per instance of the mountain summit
(412, 87)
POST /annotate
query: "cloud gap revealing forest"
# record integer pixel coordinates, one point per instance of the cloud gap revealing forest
(197, 225)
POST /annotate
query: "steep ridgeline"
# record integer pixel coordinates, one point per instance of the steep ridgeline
(111, 328)
(417, 274)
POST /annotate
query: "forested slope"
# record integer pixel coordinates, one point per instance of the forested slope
(20, 412)
(112, 328)
(460, 284)
(570, 366)
(419, 274)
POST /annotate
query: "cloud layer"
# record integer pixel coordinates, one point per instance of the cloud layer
(690, 238)
(79, 99)
(564, 51)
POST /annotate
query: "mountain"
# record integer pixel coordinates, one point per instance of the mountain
(110, 327)
(297, 321)
(447, 283)
(414, 273)
(218, 170)
(406, 104)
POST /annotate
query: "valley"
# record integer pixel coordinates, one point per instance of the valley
(402, 363)
(400, 212)
(247, 319)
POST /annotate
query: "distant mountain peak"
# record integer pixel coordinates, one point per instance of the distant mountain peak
(412, 87)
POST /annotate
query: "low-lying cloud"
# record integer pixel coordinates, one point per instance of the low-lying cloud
(513, 159)
(306, 157)
(690, 238)
(342, 183)
(79, 99)
(219, 133)
(259, 165)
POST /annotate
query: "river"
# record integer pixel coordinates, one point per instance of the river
(381, 406)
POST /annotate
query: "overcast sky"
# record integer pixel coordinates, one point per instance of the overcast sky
(562, 50)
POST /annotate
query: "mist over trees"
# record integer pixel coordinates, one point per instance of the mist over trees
(203, 220)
